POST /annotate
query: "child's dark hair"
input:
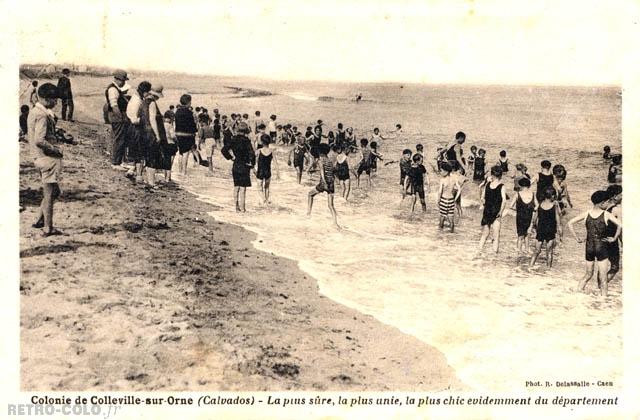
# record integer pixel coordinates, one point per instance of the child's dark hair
(549, 193)
(338, 148)
(265, 139)
(496, 171)
(245, 116)
(558, 170)
(419, 147)
(323, 148)
(273, 117)
(524, 182)
(374, 145)
(616, 159)
(606, 149)
(614, 190)
(461, 136)
(446, 167)
(482, 152)
(545, 164)
(257, 113)
(171, 107)
(261, 126)
(278, 127)
(406, 152)
(416, 158)
(376, 129)
(185, 99)
(474, 148)
(24, 108)
(364, 142)
(340, 126)
(503, 153)
(198, 108)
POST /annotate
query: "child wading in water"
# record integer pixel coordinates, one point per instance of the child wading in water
(494, 199)
(263, 173)
(405, 165)
(414, 182)
(299, 155)
(342, 172)
(596, 246)
(547, 222)
(326, 184)
(447, 195)
(365, 161)
(374, 158)
(524, 204)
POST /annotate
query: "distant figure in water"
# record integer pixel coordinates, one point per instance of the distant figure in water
(358, 97)
(606, 153)
(327, 183)
(596, 244)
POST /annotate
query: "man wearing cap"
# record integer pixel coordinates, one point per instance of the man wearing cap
(66, 97)
(47, 156)
(116, 111)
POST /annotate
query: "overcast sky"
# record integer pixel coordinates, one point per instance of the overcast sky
(570, 42)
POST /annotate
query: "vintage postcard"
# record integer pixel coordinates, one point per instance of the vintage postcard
(347, 209)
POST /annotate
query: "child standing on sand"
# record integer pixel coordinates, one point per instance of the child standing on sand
(342, 171)
(264, 157)
(544, 180)
(448, 194)
(414, 182)
(524, 203)
(326, 183)
(299, 155)
(365, 162)
(596, 250)
(494, 199)
(547, 222)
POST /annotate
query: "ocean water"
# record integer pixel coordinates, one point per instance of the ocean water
(497, 322)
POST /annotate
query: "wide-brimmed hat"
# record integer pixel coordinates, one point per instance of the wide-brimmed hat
(157, 90)
(120, 75)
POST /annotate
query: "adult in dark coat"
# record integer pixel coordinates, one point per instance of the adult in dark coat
(66, 96)
(240, 150)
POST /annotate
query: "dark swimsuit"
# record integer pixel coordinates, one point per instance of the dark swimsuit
(544, 181)
(492, 204)
(264, 166)
(613, 247)
(524, 214)
(329, 185)
(342, 170)
(596, 247)
(547, 224)
(478, 169)
(298, 157)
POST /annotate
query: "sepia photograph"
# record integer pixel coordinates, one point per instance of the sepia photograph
(291, 200)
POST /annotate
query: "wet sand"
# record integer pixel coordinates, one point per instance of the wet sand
(146, 292)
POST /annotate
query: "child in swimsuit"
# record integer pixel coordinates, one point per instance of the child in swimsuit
(414, 182)
(596, 250)
(326, 184)
(524, 203)
(479, 167)
(342, 171)
(606, 153)
(615, 170)
(471, 159)
(405, 165)
(547, 222)
(521, 172)
(544, 180)
(447, 195)
(264, 157)
(298, 155)
(503, 162)
(560, 184)
(365, 162)
(375, 156)
(613, 231)
(494, 199)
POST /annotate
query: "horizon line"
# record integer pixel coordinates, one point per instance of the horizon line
(135, 71)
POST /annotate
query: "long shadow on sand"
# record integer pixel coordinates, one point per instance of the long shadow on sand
(57, 248)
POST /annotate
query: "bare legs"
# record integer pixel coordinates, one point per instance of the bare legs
(264, 185)
(239, 196)
(601, 274)
(332, 209)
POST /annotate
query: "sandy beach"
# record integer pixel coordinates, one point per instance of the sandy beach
(145, 291)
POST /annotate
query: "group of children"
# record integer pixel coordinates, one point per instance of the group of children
(539, 204)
